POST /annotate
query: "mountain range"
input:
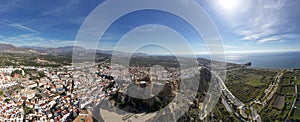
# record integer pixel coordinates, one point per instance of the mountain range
(9, 48)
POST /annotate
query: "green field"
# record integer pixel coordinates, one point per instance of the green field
(298, 81)
(288, 105)
(279, 107)
(248, 111)
(271, 113)
(296, 112)
(246, 93)
(287, 89)
(255, 82)
(248, 84)
(289, 74)
(298, 76)
(285, 81)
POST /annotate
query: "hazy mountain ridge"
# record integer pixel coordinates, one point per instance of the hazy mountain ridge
(9, 48)
(138, 58)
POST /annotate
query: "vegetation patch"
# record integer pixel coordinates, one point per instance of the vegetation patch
(245, 93)
(285, 81)
(296, 111)
(298, 81)
(287, 90)
(295, 114)
(255, 82)
(248, 84)
(298, 77)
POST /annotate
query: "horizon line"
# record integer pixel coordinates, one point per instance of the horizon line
(168, 54)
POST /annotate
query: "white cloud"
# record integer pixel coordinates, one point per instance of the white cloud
(277, 4)
(34, 40)
(214, 45)
(265, 23)
(22, 27)
(270, 39)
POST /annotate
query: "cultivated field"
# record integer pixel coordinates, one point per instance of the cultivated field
(279, 101)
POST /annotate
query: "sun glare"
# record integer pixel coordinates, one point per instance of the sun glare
(228, 5)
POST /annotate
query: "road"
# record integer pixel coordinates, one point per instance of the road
(271, 91)
(294, 102)
(236, 101)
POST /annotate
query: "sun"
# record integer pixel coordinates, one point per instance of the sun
(229, 5)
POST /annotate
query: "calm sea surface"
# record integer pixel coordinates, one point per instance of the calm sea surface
(266, 60)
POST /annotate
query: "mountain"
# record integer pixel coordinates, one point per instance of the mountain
(137, 58)
(110, 52)
(33, 47)
(8, 48)
(59, 50)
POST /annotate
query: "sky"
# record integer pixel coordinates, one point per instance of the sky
(244, 26)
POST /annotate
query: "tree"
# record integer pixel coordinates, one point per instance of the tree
(15, 72)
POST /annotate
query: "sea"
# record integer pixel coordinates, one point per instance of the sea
(283, 60)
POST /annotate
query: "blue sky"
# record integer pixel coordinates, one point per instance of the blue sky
(244, 26)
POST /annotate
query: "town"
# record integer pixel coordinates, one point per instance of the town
(72, 93)
(69, 93)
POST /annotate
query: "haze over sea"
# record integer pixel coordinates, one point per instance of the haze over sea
(265, 59)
